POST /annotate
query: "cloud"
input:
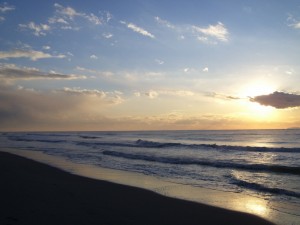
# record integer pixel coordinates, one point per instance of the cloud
(152, 94)
(5, 7)
(12, 72)
(164, 22)
(38, 29)
(46, 47)
(21, 108)
(79, 91)
(96, 72)
(112, 97)
(279, 100)
(31, 54)
(137, 29)
(205, 69)
(66, 15)
(293, 22)
(221, 96)
(107, 35)
(218, 31)
(64, 18)
(159, 62)
(93, 57)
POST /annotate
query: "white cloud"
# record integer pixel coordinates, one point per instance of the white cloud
(218, 31)
(38, 29)
(160, 62)
(57, 20)
(32, 54)
(67, 11)
(164, 22)
(93, 57)
(205, 69)
(91, 92)
(46, 47)
(65, 15)
(2, 19)
(107, 35)
(297, 25)
(93, 18)
(4, 7)
(186, 70)
(95, 72)
(293, 22)
(137, 29)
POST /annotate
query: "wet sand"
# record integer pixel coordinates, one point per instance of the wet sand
(34, 193)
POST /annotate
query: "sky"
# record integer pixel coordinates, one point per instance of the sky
(149, 65)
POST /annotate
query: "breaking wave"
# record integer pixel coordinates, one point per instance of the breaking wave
(207, 162)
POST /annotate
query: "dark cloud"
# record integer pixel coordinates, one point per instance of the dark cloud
(279, 100)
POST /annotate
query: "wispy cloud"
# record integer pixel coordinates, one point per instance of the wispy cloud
(218, 31)
(5, 7)
(95, 72)
(279, 100)
(137, 29)
(159, 62)
(66, 15)
(38, 29)
(107, 35)
(113, 97)
(164, 22)
(13, 72)
(211, 34)
(64, 18)
(31, 54)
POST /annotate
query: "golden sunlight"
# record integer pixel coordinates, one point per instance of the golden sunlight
(256, 207)
(256, 110)
(257, 88)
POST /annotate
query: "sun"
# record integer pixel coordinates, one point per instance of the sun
(257, 88)
(254, 89)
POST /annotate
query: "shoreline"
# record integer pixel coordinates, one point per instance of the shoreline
(35, 193)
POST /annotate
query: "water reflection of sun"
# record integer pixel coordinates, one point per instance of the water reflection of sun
(257, 207)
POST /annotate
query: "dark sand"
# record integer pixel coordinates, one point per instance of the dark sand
(32, 193)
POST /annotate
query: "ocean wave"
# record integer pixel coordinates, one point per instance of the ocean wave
(161, 145)
(151, 144)
(263, 188)
(88, 137)
(13, 138)
(207, 162)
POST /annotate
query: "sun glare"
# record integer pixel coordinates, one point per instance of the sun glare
(255, 109)
(257, 88)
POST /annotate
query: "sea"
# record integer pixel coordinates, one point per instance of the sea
(260, 163)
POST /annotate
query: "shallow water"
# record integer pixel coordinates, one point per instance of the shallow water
(264, 164)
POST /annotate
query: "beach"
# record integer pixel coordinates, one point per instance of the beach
(35, 193)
